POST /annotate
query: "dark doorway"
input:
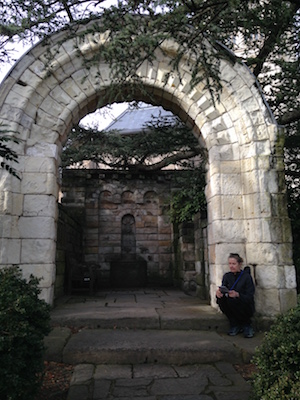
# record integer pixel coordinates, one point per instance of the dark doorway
(128, 270)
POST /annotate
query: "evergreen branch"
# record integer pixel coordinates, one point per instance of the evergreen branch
(173, 159)
(289, 117)
(269, 44)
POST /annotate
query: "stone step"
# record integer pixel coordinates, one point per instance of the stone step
(178, 347)
(96, 315)
(151, 326)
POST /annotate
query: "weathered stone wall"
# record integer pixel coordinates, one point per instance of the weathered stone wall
(191, 271)
(201, 255)
(184, 257)
(68, 249)
(105, 197)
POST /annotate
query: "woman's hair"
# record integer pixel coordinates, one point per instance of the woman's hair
(237, 257)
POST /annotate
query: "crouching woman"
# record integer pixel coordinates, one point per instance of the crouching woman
(236, 297)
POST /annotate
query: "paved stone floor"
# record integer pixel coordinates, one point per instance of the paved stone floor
(219, 381)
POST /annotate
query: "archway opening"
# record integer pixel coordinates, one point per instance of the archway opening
(101, 197)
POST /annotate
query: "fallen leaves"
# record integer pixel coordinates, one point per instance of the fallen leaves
(56, 381)
(246, 370)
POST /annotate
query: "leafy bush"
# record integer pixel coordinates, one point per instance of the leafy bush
(190, 199)
(278, 360)
(24, 321)
(294, 214)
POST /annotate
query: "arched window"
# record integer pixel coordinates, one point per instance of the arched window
(128, 240)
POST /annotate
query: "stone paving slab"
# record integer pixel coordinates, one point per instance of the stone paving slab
(158, 382)
(148, 346)
(55, 343)
(139, 309)
(92, 316)
(192, 316)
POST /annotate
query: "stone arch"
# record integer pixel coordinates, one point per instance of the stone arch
(245, 197)
(106, 196)
(150, 198)
(128, 197)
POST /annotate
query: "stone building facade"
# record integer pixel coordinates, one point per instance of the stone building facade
(245, 190)
(126, 233)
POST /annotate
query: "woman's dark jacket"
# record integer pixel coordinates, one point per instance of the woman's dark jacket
(244, 286)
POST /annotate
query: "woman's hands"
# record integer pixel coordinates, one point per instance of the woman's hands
(232, 294)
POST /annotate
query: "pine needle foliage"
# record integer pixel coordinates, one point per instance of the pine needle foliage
(160, 143)
(7, 155)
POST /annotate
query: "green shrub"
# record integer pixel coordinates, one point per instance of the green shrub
(278, 360)
(190, 199)
(24, 321)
